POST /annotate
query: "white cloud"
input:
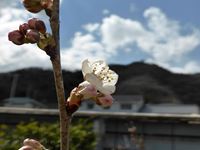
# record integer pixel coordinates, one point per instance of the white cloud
(164, 39)
(159, 23)
(191, 67)
(118, 32)
(161, 38)
(82, 47)
(188, 67)
(13, 56)
(91, 27)
(106, 12)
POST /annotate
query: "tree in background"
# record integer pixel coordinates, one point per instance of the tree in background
(81, 135)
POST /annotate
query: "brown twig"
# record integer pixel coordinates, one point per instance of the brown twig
(55, 59)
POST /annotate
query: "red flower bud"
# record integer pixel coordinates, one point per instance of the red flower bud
(40, 26)
(23, 28)
(32, 22)
(16, 37)
(37, 24)
(71, 108)
(32, 36)
(33, 6)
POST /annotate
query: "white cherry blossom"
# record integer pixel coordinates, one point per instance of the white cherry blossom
(98, 74)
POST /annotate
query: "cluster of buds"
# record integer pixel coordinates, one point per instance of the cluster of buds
(87, 91)
(30, 32)
(98, 86)
(36, 6)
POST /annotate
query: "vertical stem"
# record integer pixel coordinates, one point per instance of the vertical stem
(64, 117)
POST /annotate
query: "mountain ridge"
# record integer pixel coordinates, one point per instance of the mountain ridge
(156, 84)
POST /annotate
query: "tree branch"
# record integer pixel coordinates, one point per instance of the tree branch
(55, 59)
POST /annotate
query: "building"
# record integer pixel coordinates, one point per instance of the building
(129, 124)
(122, 103)
(22, 102)
(135, 103)
(171, 108)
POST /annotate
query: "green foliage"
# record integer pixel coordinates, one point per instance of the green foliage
(81, 134)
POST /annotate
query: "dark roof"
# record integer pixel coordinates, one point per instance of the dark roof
(22, 101)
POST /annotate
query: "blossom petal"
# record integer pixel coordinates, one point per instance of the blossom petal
(113, 78)
(99, 66)
(99, 75)
(107, 89)
(84, 84)
(87, 90)
(86, 68)
(91, 78)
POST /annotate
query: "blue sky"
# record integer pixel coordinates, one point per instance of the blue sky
(162, 32)
(76, 13)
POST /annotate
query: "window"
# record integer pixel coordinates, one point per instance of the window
(126, 106)
(90, 106)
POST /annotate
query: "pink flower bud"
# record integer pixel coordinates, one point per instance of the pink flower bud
(105, 101)
(34, 144)
(23, 28)
(87, 90)
(32, 36)
(16, 37)
(33, 6)
(37, 24)
(26, 148)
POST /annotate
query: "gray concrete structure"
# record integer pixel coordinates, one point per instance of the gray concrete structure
(171, 108)
(122, 103)
(153, 131)
(135, 103)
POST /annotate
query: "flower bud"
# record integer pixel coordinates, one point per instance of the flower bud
(16, 37)
(33, 6)
(40, 26)
(105, 101)
(32, 36)
(34, 144)
(73, 102)
(26, 148)
(37, 24)
(32, 22)
(87, 90)
(71, 108)
(23, 28)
